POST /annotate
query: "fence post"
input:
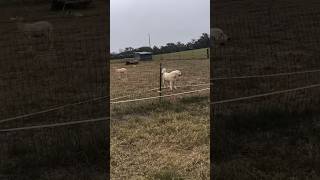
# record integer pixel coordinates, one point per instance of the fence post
(160, 84)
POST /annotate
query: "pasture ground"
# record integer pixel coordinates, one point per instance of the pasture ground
(203, 53)
(190, 54)
(74, 70)
(167, 139)
(268, 144)
(272, 137)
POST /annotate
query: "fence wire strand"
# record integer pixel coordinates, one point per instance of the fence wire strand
(55, 125)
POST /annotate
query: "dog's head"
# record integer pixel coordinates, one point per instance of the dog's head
(178, 72)
(163, 70)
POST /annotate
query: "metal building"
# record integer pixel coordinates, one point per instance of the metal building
(143, 56)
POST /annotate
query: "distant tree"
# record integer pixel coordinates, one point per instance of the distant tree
(202, 42)
(144, 49)
(127, 52)
(171, 47)
(113, 55)
(162, 49)
(129, 49)
(191, 45)
(156, 50)
(181, 46)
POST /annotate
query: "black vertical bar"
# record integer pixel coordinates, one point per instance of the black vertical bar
(160, 84)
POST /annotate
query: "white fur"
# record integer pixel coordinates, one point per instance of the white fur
(121, 72)
(218, 36)
(35, 29)
(170, 77)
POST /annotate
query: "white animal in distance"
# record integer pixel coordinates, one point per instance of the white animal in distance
(122, 72)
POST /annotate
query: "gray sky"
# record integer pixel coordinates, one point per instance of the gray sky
(165, 20)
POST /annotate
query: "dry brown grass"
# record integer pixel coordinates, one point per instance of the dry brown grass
(167, 136)
(74, 70)
(272, 137)
(152, 140)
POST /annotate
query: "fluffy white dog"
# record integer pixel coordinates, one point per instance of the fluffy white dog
(170, 77)
(218, 36)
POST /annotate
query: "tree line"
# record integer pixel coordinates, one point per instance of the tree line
(202, 42)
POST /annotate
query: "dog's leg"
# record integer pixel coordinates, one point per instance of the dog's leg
(163, 82)
(171, 85)
(174, 85)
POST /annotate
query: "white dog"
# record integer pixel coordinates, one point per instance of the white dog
(121, 72)
(35, 30)
(171, 77)
(218, 36)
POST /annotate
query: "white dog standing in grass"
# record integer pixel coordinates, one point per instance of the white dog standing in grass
(170, 77)
(122, 72)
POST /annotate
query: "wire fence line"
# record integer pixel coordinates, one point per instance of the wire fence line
(265, 94)
(53, 109)
(74, 104)
(102, 98)
(227, 100)
(145, 79)
(157, 97)
(132, 99)
(229, 78)
(266, 75)
(55, 125)
(158, 90)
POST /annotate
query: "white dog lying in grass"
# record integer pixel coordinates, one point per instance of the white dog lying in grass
(121, 72)
(170, 77)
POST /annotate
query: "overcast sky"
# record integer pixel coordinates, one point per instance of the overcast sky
(165, 20)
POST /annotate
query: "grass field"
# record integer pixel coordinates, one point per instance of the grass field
(190, 54)
(73, 70)
(167, 139)
(271, 137)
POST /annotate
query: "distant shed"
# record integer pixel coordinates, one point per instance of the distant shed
(143, 56)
